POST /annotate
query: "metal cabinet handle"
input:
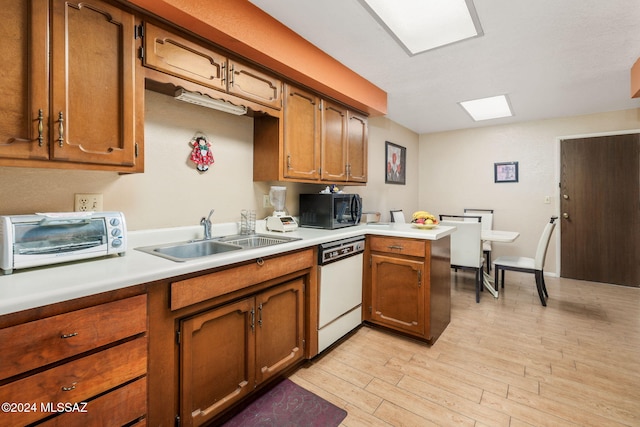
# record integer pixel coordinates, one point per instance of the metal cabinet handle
(565, 196)
(398, 247)
(260, 315)
(231, 77)
(565, 215)
(60, 129)
(223, 74)
(72, 387)
(253, 320)
(65, 336)
(288, 161)
(40, 127)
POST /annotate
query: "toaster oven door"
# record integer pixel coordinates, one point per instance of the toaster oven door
(46, 242)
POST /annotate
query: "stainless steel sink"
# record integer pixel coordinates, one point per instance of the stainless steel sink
(256, 240)
(184, 251)
(189, 250)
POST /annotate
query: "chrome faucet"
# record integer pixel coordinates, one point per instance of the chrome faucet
(206, 223)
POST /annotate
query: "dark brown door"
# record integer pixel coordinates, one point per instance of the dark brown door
(600, 209)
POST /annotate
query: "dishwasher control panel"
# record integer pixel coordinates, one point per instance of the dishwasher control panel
(333, 251)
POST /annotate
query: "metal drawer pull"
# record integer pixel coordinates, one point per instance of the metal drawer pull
(398, 247)
(64, 336)
(73, 387)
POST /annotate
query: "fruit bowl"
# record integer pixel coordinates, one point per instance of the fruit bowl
(424, 226)
(424, 220)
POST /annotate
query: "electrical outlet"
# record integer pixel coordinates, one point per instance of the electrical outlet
(88, 202)
(266, 203)
(547, 199)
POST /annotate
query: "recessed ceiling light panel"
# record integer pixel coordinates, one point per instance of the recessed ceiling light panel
(493, 107)
(421, 25)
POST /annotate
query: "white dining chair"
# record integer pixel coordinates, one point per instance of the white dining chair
(529, 265)
(466, 246)
(397, 216)
(486, 216)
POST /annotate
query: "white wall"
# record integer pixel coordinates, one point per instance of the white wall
(378, 196)
(456, 172)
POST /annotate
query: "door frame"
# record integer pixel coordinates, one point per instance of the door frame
(558, 174)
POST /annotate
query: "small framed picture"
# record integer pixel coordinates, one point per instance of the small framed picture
(395, 163)
(505, 172)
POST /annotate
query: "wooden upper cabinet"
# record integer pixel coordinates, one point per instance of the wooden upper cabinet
(24, 110)
(167, 52)
(252, 84)
(357, 142)
(95, 94)
(344, 144)
(93, 89)
(315, 141)
(334, 142)
(301, 134)
(172, 54)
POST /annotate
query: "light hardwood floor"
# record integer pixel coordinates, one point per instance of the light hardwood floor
(502, 362)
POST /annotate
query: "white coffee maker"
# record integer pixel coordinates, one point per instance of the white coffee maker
(279, 221)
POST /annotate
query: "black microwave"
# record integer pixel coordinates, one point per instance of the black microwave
(330, 210)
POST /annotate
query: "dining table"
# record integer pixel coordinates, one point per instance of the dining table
(497, 236)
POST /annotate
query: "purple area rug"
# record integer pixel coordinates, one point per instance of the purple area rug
(288, 405)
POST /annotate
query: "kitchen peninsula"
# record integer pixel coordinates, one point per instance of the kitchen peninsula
(181, 298)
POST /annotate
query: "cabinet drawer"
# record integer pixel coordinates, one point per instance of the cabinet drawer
(197, 289)
(76, 381)
(397, 245)
(119, 407)
(38, 343)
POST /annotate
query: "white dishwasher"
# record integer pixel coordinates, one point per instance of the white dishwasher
(340, 288)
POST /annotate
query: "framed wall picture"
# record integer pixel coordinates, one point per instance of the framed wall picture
(505, 172)
(395, 164)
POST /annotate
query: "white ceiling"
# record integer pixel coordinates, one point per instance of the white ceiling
(554, 58)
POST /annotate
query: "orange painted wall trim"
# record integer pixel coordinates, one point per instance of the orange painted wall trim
(246, 30)
(635, 80)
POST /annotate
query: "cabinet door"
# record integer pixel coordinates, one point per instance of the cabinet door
(165, 51)
(334, 142)
(398, 294)
(279, 328)
(25, 79)
(357, 147)
(217, 362)
(251, 84)
(301, 134)
(93, 117)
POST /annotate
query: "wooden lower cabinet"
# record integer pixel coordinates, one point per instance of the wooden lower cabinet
(217, 337)
(407, 285)
(398, 294)
(217, 360)
(227, 351)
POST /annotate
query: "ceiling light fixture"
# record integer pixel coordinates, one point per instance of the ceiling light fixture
(206, 101)
(421, 25)
(493, 107)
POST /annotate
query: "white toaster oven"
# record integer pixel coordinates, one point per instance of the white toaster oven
(51, 238)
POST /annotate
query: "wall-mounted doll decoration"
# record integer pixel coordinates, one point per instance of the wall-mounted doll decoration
(201, 153)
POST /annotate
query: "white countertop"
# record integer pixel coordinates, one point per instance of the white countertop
(30, 288)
